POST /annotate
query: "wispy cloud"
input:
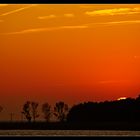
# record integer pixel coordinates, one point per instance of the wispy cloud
(114, 23)
(47, 17)
(69, 15)
(74, 27)
(46, 29)
(83, 26)
(3, 5)
(18, 10)
(52, 16)
(120, 22)
(123, 22)
(115, 11)
(30, 31)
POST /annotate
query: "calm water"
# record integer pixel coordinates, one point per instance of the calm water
(67, 133)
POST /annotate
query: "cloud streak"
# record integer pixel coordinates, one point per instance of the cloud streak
(123, 22)
(3, 5)
(54, 16)
(115, 11)
(47, 17)
(74, 27)
(69, 15)
(83, 26)
(45, 29)
(18, 10)
(114, 23)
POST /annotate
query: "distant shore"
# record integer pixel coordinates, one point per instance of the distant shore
(133, 126)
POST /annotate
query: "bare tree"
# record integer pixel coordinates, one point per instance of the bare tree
(34, 106)
(46, 109)
(27, 111)
(61, 110)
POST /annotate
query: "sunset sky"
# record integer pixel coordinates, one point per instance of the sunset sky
(73, 53)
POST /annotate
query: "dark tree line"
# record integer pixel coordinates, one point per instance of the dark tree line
(118, 110)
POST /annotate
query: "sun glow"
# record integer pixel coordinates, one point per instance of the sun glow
(121, 98)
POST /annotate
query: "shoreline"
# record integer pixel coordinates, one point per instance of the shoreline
(123, 126)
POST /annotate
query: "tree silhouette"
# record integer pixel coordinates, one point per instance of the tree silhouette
(27, 111)
(46, 109)
(61, 110)
(34, 106)
(30, 110)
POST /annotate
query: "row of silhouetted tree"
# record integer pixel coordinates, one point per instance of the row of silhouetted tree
(30, 111)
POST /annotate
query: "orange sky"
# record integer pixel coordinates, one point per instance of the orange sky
(73, 53)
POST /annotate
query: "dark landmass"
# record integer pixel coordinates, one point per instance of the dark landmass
(114, 112)
(70, 126)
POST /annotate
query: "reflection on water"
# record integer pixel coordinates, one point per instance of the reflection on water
(67, 133)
